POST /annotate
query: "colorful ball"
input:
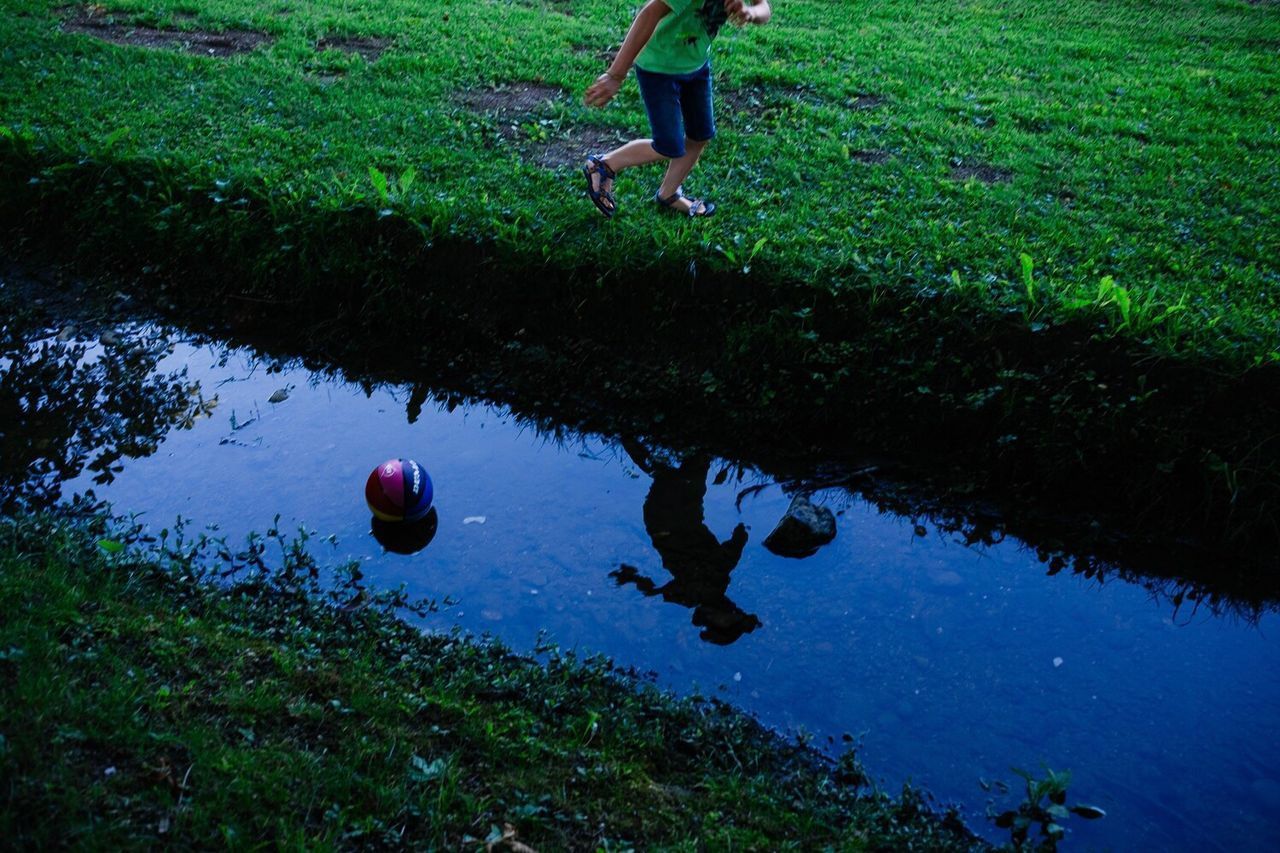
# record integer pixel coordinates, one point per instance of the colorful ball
(399, 490)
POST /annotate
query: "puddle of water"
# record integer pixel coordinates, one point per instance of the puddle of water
(949, 663)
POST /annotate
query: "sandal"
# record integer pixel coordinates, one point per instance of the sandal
(697, 207)
(602, 198)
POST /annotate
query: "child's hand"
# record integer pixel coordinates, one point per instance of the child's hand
(739, 12)
(602, 91)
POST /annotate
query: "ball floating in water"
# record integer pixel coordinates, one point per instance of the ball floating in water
(399, 490)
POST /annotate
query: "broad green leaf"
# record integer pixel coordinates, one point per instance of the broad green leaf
(379, 182)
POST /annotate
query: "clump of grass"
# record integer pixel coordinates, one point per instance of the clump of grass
(143, 704)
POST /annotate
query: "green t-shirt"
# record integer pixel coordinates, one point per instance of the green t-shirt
(681, 42)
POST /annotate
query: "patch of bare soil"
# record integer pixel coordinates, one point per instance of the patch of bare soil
(984, 172)
(516, 106)
(368, 47)
(94, 21)
(556, 153)
(758, 98)
(865, 102)
(510, 98)
(869, 156)
(762, 109)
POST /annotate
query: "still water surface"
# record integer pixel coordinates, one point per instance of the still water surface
(948, 662)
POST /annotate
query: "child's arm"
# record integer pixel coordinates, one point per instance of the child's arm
(607, 84)
(740, 13)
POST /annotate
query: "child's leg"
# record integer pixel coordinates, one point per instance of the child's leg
(661, 96)
(637, 152)
(700, 128)
(679, 169)
(634, 153)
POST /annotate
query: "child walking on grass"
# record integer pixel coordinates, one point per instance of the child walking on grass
(670, 45)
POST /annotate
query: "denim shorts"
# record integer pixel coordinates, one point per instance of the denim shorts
(679, 108)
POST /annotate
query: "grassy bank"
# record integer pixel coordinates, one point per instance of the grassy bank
(891, 146)
(142, 705)
(1036, 241)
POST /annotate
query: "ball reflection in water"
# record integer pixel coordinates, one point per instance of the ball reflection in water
(405, 537)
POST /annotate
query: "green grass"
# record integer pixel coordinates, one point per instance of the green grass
(1140, 139)
(142, 705)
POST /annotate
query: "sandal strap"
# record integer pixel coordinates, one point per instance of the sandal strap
(697, 206)
(601, 167)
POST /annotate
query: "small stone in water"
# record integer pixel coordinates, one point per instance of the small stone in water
(1057, 662)
(280, 395)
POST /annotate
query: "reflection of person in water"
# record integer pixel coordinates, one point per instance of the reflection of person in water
(698, 562)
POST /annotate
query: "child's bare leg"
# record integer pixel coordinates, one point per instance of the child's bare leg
(630, 154)
(679, 168)
(637, 152)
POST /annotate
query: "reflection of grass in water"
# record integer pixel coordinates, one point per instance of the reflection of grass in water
(73, 405)
(278, 708)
